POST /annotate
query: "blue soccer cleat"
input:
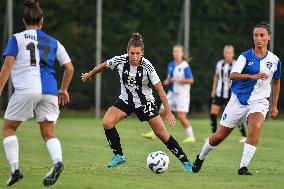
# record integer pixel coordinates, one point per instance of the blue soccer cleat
(116, 160)
(187, 166)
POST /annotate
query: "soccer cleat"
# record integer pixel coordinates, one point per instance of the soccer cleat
(187, 166)
(189, 140)
(197, 164)
(116, 160)
(242, 139)
(244, 171)
(149, 135)
(15, 177)
(52, 176)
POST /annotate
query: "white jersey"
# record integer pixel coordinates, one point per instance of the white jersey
(222, 71)
(180, 71)
(250, 90)
(135, 81)
(35, 53)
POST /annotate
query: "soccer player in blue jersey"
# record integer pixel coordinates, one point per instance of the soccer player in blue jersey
(252, 75)
(29, 58)
(179, 81)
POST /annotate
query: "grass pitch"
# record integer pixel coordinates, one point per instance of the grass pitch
(86, 153)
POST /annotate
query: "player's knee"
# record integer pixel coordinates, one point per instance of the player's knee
(255, 127)
(47, 135)
(216, 139)
(108, 122)
(162, 135)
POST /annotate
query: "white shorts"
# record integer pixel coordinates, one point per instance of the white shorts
(177, 102)
(236, 114)
(22, 107)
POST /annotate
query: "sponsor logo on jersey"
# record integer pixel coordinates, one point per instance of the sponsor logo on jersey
(250, 63)
(224, 116)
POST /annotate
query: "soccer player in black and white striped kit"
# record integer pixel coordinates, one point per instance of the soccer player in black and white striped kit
(221, 89)
(137, 75)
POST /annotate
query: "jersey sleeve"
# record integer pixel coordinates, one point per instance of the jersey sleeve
(61, 54)
(115, 61)
(12, 47)
(277, 73)
(153, 76)
(239, 64)
(188, 73)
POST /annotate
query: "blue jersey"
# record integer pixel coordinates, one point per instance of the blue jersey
(250, 90)
(179, 71)
(35, 53)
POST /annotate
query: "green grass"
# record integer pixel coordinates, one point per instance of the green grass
(86, 153)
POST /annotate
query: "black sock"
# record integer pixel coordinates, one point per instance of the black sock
(213, 123)
(243, 130)
(174, 147)
(114, 141)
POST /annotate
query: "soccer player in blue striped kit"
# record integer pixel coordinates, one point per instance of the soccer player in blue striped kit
(29, 57)
(252, 76)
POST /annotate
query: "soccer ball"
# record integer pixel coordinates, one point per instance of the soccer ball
(158, 162)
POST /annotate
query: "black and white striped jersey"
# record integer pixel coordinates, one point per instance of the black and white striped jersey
(223, 71)
(135, 81)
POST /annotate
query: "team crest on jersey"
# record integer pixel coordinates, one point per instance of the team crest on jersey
(269, 65)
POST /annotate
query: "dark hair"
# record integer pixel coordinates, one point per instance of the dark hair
(136, 41)
(263, 25)
(32, 12)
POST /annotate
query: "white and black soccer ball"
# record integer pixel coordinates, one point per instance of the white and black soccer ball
(158, 162)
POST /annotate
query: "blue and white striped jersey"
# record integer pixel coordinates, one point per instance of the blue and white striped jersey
(250, 90)
(35, 53)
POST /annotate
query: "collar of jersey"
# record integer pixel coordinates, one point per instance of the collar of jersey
(257, 56)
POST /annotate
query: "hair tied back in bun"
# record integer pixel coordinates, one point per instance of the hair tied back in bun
(137, 36)
(31, 3)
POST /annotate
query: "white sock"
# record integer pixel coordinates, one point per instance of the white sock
(189, 132)
(54, 148)
(205, 150)
(11, 147)
(248, 152)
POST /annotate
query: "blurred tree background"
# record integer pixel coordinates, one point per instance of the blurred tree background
(214, 23)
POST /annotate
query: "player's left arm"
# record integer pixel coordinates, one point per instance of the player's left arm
(66, 80)
(64, 60)
(276, 91)
(6, 70)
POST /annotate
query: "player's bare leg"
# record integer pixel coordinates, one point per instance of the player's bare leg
(55, 151)
(151, 135)
(186, 125)
(214, 140)
(255, 122)
(11, 147)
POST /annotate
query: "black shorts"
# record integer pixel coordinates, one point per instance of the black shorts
(220, 101)
(144, 112)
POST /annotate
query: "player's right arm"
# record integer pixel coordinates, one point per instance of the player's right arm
(97, 69)
(10, 53)
(5, 71)
(236, 73)
(214, 85)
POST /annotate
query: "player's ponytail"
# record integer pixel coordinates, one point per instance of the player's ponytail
(32, 12)
(136, 41)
